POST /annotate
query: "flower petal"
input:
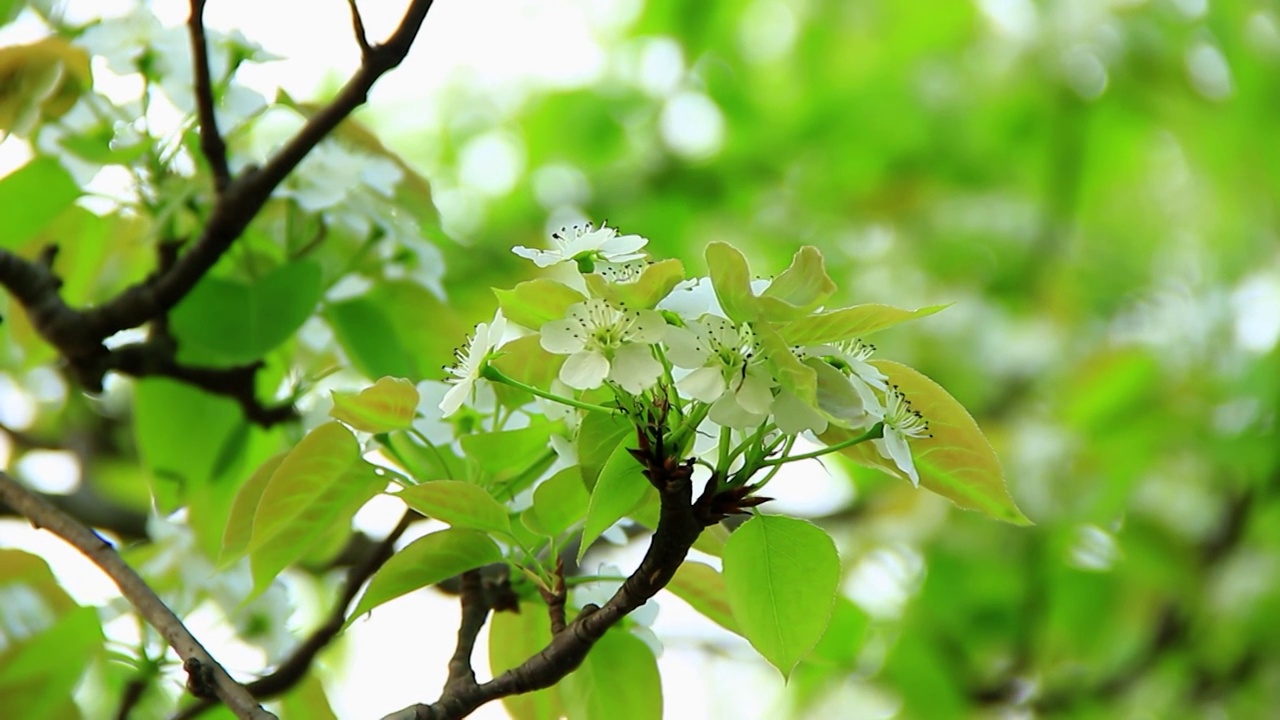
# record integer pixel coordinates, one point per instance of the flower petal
(584, 370)
(793, 416)
(753, 393)
(727, 412)
(894, 446)
(684, 349)
(705, 384)
(561, 337)
(649, 327)
(634, 368)
(454, 398)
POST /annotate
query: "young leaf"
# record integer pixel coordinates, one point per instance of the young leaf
(703, 588)
(32, 196)
(513, 638)
(319, 484)
(460, 504)
(506, 454)
(235, 538)
(224, 322)
(524, 359)
(558, 503)
(731, 278)
(803, 286)
(849, 323)
(387, 405)
(618, 680)
(598, 435)
(427, 561)
(621, 488)
(957, 462)
(655, 283)
(537, 302)
(781, 576)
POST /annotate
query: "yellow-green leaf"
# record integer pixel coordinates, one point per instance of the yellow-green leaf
(460, 504)
(387, 405)
(957, 462)
(558, 503)
(319, 484)
(622, 487)
(781, 577)
(731, 278)
(655, 282)
(618, 680)
(427, 561)
(513, 638)
(803, 286)
(235, 538)
(849, 323)
(702, 587)
(537, 302)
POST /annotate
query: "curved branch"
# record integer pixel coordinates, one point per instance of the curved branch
(206, 673)
(295, 667)
(211, 142)
(679, 524)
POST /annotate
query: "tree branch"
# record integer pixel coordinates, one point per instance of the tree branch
(680, 522)
(295, 667)
(205, 672)
(357, 25)
(475, 610)
(78, 334)
(211, 143)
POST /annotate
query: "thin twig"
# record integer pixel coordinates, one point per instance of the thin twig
(556, 598)
(211, 142)
(357, 24)
(474, 613)
(295, 667)
(46, 517)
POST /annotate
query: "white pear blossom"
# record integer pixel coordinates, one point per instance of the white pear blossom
(586, 245)
(606, 342)
(471, 363)
(850, 357)
(900, 423)
(728, 370)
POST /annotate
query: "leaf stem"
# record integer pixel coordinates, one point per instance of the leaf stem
(875, 432)
(494, 374)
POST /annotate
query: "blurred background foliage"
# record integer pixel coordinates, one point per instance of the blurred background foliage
(1092, 183)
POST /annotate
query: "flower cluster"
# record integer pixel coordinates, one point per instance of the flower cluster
(749, 365)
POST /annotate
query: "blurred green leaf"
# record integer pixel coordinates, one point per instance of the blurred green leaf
(513, 638)
(618, 680)
(33, 196)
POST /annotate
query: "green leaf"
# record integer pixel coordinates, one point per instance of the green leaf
(460, 504)
(558, 503)
(427, 561)
(537, 302)
(386, 331)
(31, 197)
(622, 487)
(957, 462)
(731, 278)
(424, 463)
(235, 538)
(320, 484)
(306, 701)
(513, 638)
(388, 405)
(781, 575)
(38, 675)
(224, 322)
(180, 456)
(618, 680)
(598, 435)
(849, 323)
(524, 359)
(505, 454)
(645, 292)
(803, 286)
(703, 588)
